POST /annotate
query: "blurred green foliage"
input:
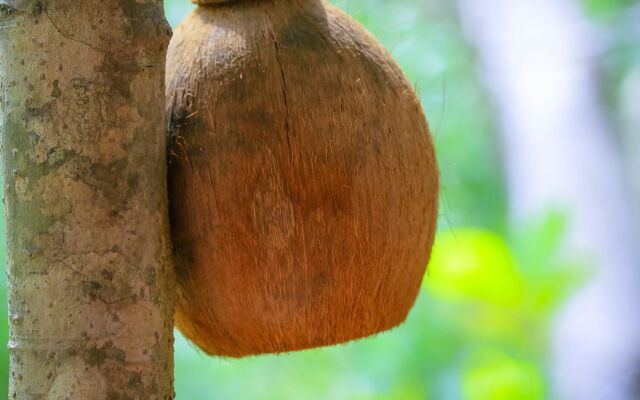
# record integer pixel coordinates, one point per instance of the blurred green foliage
(464, 257)
(494, 375)
(607, 9)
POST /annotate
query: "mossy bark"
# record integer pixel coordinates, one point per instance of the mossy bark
(91, 285)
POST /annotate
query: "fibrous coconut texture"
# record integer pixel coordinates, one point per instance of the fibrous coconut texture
(303, 180)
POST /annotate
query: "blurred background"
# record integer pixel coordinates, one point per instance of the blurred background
(533, 291)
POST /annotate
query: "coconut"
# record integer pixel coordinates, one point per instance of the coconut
(302, 179)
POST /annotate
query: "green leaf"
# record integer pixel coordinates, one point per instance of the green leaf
(497, 376)
(473, 264)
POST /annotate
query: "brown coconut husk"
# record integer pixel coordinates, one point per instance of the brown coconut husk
(303, 181)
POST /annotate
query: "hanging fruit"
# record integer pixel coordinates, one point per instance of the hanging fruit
(303, 181)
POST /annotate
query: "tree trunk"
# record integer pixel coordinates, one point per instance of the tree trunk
(539, 60)
(83, 144)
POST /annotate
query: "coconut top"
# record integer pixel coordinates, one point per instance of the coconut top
(205, 2)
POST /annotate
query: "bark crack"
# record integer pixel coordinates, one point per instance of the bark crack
(69, 37)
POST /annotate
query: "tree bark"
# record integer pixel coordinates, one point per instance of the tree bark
(91, 285)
